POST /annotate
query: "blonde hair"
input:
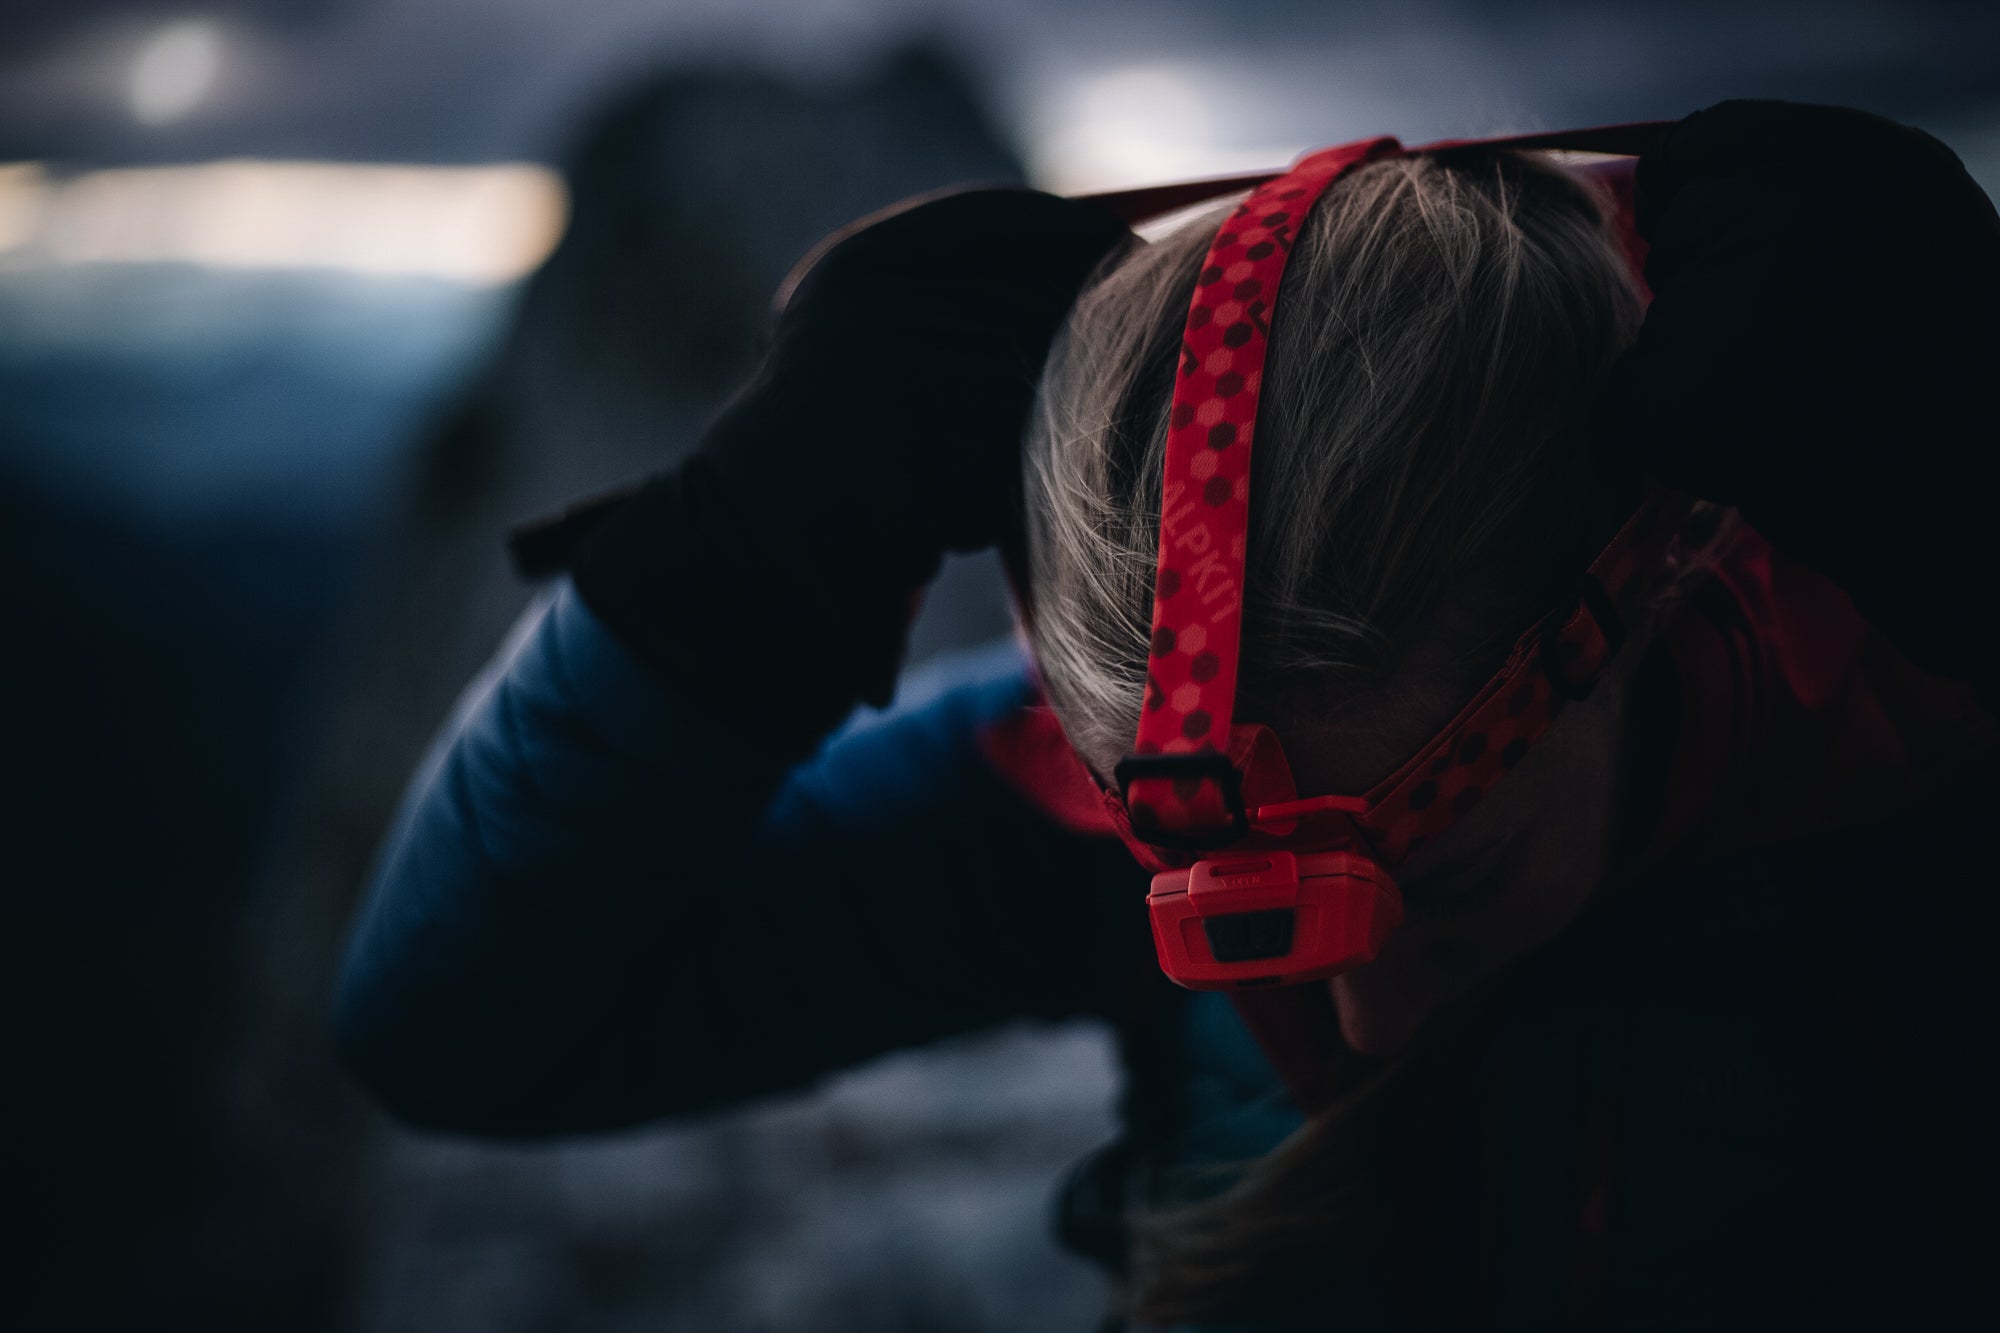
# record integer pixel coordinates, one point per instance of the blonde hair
(1441, 318)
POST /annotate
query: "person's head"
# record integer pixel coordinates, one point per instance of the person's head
(1415, 505)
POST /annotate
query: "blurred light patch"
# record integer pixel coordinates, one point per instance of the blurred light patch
(482, 226)
(1138, 125)
(21, 189)
(174, 71)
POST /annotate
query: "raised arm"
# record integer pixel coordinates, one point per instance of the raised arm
(1821, 352)
(630, 882)
(597, 907)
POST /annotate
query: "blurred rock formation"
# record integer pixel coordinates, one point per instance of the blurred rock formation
(918, 1202)
(692, 195)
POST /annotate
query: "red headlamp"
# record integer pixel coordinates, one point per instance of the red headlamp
(1254, 885)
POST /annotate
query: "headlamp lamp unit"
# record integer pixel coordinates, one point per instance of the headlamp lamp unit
(1253, 885)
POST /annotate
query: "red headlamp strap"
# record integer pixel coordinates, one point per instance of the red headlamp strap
(1205, 510)
(1555, 662)
(1183, 784)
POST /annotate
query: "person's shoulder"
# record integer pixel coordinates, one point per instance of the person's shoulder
(1814, 719)
(934, 720)
(981, 709)
(984, 680)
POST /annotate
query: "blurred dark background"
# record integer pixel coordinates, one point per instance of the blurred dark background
(301, 305)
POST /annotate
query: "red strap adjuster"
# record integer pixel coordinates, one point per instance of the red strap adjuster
(1186, 771)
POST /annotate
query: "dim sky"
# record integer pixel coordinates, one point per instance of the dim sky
(1095, 88)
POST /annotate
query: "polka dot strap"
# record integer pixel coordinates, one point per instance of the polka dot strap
(1180, 786)
(1557, 661)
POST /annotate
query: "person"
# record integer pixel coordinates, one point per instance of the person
(1683, 1026)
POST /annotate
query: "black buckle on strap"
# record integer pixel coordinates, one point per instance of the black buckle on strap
(1212, 765)
(1592, 598)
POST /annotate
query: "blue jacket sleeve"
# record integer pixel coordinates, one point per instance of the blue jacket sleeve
(595, 910)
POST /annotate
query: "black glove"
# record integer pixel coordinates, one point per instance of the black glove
(773, 571)
(1823, 352)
